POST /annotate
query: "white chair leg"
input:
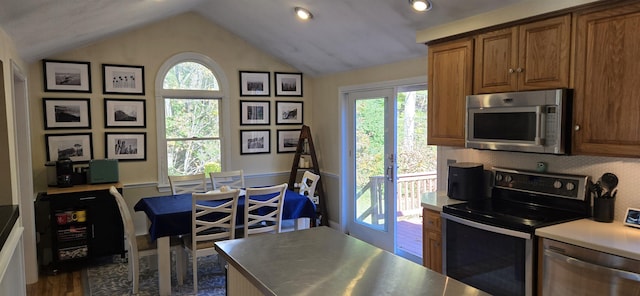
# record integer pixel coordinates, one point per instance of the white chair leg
(195, 271)
(136, 273)
(129, 263)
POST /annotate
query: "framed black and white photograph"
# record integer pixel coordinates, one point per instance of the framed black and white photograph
(77, 147)
(66, 76)
(126, 146)
(288, 140)
(123, 79)
(254, 83)
(288, 84)
(255, 142)
(255, 113)
(288, 112)
(125, 113)
(66, 113)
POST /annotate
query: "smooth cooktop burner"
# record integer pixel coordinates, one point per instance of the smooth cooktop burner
(524, 201)
(510, 215)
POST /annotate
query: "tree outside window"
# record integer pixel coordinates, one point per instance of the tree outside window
(192, 125)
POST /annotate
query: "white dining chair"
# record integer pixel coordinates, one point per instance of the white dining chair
(308, 184)
(261, 216)
(210, 223)
(140, 245)
(231, 179)
(188, 184)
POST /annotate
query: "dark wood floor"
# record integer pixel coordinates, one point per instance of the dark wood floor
(61, 284)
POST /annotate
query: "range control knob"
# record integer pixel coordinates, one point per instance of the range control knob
(508, 178)
(557, 184)
(570, 186)
(498, 177)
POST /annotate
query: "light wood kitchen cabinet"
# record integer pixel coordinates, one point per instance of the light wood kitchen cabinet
(607, 90)
(526, 57)
(431, 240)
(450, 81)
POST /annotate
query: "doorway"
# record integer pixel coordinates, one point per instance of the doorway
(388, 166)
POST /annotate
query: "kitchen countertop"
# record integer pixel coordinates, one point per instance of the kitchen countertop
(436, 200)
(323, 261)
(8, 216)
(613, 238)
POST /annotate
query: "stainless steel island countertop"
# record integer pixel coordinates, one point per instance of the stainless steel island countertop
(323, 261)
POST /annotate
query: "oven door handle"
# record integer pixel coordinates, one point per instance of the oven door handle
(487, 227)
(619, 273)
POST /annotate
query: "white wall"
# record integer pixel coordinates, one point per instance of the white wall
(10, 189)
(150, 46)
(327, 112)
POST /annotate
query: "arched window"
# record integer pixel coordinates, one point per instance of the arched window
(189, 100)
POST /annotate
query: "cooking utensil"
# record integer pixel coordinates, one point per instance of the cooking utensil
(608, 182)
(595, 188)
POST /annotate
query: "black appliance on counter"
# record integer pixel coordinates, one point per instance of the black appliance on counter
(491, 244)
(465, 180)
(59, 172)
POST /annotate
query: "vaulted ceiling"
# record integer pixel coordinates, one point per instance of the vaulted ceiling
(343, 35)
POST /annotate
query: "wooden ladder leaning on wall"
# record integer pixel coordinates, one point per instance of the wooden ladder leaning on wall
(306, 150)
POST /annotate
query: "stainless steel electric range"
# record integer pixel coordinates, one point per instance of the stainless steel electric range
(490, 243)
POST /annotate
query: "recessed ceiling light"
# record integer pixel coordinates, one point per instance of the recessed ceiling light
(421, 5)
(303, 13)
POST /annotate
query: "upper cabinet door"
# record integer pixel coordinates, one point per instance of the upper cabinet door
(526, 57)
(544, 49)
(449, 80)
(607, 90)
(496, 59)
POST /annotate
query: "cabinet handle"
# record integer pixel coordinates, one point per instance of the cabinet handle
(577, 127)
(88, 198)
(93, 233)
(519, 70)
(511, 70)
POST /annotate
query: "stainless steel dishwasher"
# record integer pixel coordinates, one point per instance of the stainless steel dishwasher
(572, 270)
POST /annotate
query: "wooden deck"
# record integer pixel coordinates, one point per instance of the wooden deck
(409, 234)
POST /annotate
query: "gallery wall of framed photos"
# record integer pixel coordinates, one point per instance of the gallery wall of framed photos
(258, 112)
(67, 115)
(70, 98)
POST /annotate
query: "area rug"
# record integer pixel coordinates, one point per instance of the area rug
(109, 278)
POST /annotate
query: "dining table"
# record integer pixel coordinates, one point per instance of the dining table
(170, 215)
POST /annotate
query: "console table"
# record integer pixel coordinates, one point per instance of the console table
(83, 223)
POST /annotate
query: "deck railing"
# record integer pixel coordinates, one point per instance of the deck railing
(409, 190)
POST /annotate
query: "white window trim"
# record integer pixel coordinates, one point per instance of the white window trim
(222, 94)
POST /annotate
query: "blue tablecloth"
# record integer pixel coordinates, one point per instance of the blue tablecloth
(171, 214)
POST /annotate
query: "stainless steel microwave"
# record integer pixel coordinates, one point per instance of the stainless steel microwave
(529, 121)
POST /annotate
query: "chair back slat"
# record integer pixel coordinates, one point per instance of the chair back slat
(125, 215)
(308, 184)
(263, 209)
(231, 179)
(187, 184)
(214, 215)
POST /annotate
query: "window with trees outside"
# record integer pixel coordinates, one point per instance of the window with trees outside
(192, 98)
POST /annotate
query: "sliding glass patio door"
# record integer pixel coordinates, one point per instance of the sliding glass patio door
(372, 207)
(390, 166)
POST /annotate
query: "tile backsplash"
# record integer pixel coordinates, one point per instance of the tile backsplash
(627, 169)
